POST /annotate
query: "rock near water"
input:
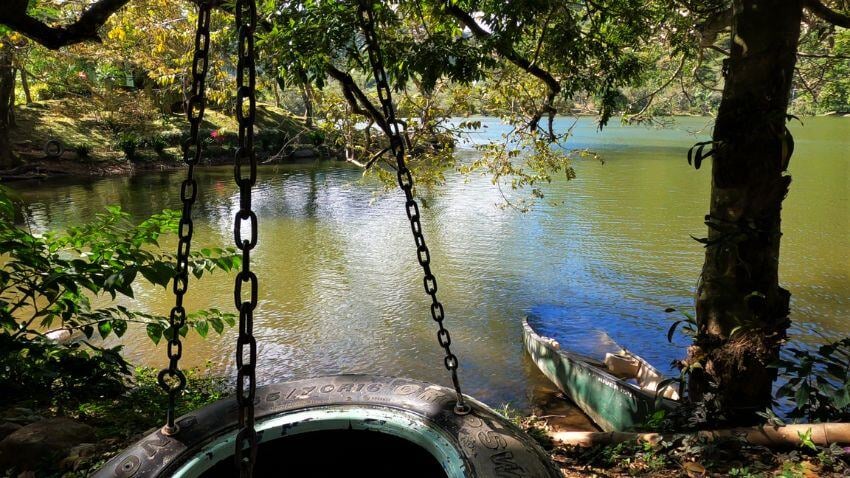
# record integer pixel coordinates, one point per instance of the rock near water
(43, 443)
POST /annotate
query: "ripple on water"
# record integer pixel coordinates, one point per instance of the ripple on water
(340, 290)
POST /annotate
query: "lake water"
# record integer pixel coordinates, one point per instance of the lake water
(340, 289)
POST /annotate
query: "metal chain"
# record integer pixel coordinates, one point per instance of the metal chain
(246, 360)
(172, 379)
(405, 182)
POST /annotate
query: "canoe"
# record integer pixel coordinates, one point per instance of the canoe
(618, 392)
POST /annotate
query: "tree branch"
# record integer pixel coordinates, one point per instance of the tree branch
(84, 29)
(649, 98)
(820, 10)
(358, 100)
(512, 56)
(712, 27)
(823, 55)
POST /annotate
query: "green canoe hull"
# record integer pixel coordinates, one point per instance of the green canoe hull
(612, 403)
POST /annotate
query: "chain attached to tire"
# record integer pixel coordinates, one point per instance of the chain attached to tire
(172, 379)
(405, 182)
(246, 359)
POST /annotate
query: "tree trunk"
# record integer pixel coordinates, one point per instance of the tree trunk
(26, 86)
(307, 97)
(7, 82)
(11, 121)
(742, 312)
(276, 92)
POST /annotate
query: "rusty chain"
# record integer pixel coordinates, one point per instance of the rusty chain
(246, 359)
(405, 181)
(172, 379)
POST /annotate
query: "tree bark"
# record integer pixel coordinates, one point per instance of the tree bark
(7, 82)
(307, 97)
(742, 312)
(54, 37)
(11, 115)
(26, 86)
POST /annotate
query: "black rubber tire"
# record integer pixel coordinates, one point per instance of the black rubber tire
(54, 148)
(489, 444)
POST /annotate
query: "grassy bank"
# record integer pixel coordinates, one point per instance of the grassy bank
(91, 139)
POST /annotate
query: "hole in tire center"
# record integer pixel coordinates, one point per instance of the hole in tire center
(339, 452)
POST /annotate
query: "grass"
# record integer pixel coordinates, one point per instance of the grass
(76, 123)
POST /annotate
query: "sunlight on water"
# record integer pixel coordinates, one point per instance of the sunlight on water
(341, 290)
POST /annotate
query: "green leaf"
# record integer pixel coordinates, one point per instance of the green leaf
(119, 327)
(216, 324)
(154, 332)
(202, 327)
(841, 397)
(672, 330)
(802, 395)
(104, 327)
(806, 440)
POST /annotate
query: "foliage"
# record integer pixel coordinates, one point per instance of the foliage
(128, 142)
(818, 382)
(119, 419)
(634, 455)
(694, 455)
(534, 426)
(84, 150)
(42, 369)
(158, 143)
(142, 406)
(54, 280)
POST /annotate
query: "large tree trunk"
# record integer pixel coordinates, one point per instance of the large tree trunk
(7, 83)
(742, 312)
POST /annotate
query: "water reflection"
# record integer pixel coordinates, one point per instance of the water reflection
(341, 290)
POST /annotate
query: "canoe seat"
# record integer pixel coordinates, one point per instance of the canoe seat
(625, 366)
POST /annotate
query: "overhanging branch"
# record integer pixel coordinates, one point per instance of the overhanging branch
(358, 100)
(84, 29)
(820, 10)
(512, 56)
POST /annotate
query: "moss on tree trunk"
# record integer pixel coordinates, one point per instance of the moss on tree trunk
(742, 312)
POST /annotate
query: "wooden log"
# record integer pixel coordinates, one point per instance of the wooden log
(822, 434)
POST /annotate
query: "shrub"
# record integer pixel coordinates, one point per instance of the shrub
(73, 276)
(158, 143)
(317, 137)
(817, 382)
(269, 140)
(128, 143)
(84, 151)
(172, 138)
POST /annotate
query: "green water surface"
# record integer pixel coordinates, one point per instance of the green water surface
(340, 290)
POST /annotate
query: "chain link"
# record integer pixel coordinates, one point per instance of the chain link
(246, 345)
(172, 379)
(405, 182)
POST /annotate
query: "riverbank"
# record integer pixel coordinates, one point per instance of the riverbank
(685, 456)
(71, 439)
(66, 138)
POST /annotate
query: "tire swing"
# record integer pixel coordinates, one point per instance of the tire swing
(368, 425)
